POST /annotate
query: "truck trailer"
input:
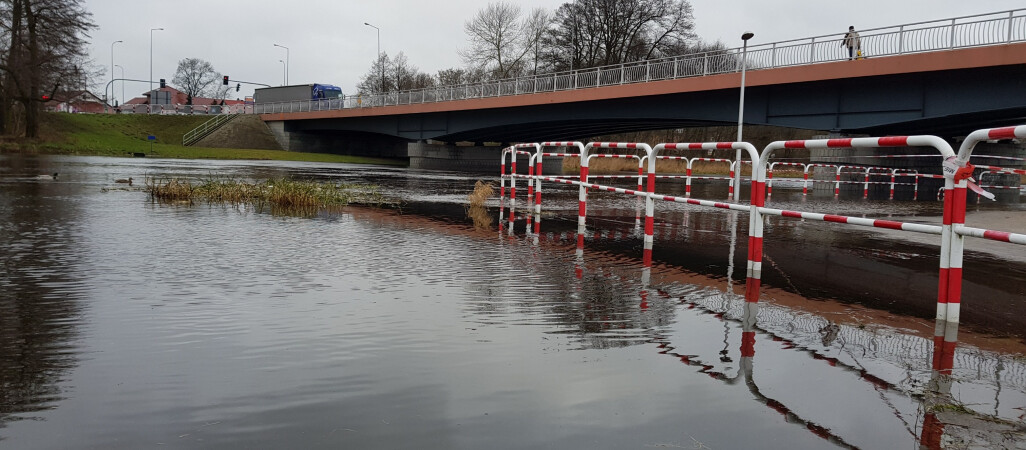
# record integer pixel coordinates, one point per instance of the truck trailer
(296, 92)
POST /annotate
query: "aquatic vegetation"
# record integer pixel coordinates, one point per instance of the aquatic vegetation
(476, 209)
(278, 193)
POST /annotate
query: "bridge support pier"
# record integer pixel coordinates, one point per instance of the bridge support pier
(469, 158)
(344, 143)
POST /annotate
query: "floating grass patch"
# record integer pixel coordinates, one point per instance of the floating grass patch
(278, 193)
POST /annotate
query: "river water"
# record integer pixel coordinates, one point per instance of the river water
(126, 323)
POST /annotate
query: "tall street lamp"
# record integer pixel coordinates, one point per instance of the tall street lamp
(112, 70)
(741, 115)
(379, 57)
(119, 66)
(151, 67)
(284, 77)
(286, 62)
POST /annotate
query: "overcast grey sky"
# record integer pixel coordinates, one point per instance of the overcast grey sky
(329, 43)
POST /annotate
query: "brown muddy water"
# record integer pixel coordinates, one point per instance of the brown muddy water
(130, 324)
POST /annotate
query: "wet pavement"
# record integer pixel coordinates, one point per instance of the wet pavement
(126, 323)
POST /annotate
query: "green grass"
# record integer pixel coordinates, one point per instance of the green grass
(125, 134)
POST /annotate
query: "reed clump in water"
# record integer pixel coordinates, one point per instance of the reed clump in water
(482, 192)
(279, 192)
(477, 211)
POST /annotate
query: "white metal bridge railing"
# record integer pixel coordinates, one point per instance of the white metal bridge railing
(960, 32)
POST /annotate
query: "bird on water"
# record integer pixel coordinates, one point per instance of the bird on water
(122, 180)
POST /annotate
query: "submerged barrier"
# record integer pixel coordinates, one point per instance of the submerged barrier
(957, 173)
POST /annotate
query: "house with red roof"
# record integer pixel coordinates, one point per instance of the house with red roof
(76, 102)
(173, 99)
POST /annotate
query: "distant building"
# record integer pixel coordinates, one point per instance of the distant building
(172, 98)
(76, 102)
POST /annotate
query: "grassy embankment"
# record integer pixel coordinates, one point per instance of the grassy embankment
(125, 134)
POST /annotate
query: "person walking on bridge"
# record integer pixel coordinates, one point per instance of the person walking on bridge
(853, 42)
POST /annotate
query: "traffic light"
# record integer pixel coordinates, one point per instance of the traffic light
(163, 84)
(225, 82)
(237, 86)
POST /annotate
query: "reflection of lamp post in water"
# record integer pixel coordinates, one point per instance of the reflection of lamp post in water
(740, 117)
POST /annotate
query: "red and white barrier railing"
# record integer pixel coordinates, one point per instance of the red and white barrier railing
(957, 174)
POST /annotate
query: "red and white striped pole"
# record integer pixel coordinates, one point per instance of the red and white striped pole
(805, 181)
(512, 190)
(865, 187)
(530, 192)
(837, 182)
(537, 190)
(730, 190)
(755, 224)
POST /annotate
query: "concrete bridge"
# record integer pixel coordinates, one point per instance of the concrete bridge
(945, 78)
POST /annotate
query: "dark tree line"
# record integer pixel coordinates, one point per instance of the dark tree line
(505, 41)
(42, 53)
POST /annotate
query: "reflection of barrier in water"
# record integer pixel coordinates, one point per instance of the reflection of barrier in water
(957, 172)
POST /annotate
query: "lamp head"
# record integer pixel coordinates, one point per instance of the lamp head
(748, 35)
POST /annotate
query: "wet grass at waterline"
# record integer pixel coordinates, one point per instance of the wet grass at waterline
(280, 195)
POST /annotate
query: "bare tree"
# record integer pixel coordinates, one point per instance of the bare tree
(399, 75)
(45, 49)
(451, 77)
(195, 77)
(501, 40)
(589, 33)
(375, 80)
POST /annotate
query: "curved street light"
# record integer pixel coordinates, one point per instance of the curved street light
(379, 56)
(111, 71)
(286, 62)
(284, 71)
(741, 115)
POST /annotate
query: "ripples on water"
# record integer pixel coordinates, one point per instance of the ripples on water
(127, 324)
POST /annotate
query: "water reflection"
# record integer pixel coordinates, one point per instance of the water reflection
(892, 381)
(40, 308)
(204, 326)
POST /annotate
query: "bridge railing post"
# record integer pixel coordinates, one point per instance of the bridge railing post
(773, 56)
(1010, 14)
(901, 39)
(812, 51)
(705, 64)
(952, 44)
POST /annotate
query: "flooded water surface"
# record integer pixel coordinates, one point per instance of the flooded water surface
(126, 323)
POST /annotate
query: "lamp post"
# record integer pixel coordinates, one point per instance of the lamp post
(741, 115)
(284, 71)
(111, 71)
(286, 62)
(379, 57)
(151, 67)
(122, 81)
